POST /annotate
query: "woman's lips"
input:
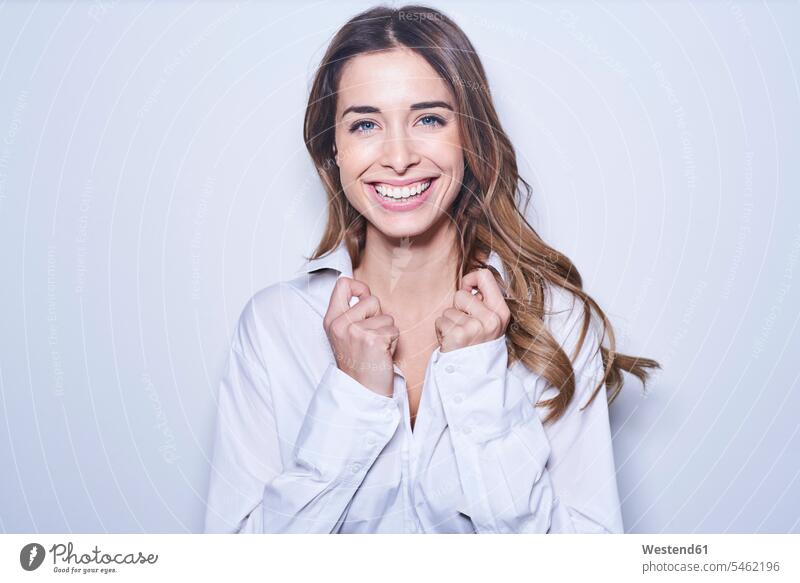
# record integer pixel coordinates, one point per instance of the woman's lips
(402, 204)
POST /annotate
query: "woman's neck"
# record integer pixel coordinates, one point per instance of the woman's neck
(412, 275)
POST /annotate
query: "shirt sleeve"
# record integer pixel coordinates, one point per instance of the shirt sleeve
(252, 489)
(517, 476)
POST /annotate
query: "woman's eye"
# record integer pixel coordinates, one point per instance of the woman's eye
(432, 121)
(364, 126)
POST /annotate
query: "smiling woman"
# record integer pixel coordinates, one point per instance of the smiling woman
(436, 367)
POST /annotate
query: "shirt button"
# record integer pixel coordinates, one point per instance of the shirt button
(450, 368)
(355, 467)
(371, 440)
(466, 430)
(457, 398)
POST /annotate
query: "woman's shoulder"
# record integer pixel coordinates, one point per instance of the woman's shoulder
(279, 308)
(565, 313)
(562, 307)
(290, 297)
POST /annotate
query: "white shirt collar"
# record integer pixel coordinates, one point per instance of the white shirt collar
(339, 260)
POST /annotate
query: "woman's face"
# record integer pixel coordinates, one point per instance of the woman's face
(398, 145)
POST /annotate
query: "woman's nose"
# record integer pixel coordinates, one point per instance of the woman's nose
(399, 152)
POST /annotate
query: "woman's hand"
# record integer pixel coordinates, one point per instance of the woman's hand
(362, 338)
(473, 319)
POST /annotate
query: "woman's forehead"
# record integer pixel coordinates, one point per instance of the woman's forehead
(392, 78)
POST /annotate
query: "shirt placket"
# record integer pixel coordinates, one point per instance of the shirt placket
(408, 456)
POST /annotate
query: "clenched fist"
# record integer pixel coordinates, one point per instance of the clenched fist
(363, 339)
(473, 319)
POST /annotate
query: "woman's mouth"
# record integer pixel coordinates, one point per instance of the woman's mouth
(401, 198)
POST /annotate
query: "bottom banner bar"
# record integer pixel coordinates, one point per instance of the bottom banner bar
(388, 558)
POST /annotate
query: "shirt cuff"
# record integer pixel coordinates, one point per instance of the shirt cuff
(473, 387)
(345, 428)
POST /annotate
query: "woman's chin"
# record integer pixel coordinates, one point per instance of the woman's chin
(400, 229)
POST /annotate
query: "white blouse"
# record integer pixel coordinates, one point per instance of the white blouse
(300, 446)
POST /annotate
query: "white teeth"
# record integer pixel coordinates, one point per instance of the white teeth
(402, 192)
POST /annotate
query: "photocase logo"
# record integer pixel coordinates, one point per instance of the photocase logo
(67, 560)
(31, 556)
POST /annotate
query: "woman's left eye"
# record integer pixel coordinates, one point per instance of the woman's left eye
(432, 121)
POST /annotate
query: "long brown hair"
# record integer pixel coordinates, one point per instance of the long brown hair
(487, 208)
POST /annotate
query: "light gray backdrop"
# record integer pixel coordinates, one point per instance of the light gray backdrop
(153, 177)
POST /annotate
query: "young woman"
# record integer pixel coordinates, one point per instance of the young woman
(437, 367)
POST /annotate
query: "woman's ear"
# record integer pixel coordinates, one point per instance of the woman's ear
(335, 154)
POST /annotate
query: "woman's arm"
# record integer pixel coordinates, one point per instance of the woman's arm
(252, 489)
(516, 475)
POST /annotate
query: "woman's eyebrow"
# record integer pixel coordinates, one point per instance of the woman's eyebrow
(414, 106)
(431, 105)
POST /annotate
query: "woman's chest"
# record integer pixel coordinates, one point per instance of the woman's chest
(412, 357)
